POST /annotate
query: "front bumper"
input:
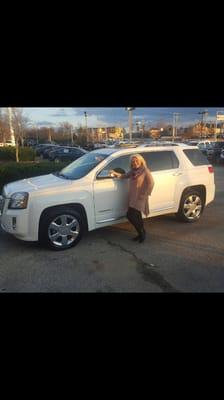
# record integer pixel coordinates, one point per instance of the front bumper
(15, 222)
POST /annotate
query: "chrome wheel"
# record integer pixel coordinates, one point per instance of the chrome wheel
(192, 207)
(63, 230)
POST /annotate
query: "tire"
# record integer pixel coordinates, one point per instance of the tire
(55, 232)
(191, 206)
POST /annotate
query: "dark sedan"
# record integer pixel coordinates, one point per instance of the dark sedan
(66, 154)
(214, 154)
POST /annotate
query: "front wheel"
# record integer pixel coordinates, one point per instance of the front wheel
(61, 228)
(191, 206)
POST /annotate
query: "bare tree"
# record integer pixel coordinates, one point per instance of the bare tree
(67, 131)
(19, 125)
(4, 126)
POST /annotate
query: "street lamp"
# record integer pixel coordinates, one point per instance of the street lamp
(37, 134)
(138, 124)
(175, 117)
(72, 137)
(130, 109)
(203, 114)
(86, 115)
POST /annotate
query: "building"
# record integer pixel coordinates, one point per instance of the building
(101, 134)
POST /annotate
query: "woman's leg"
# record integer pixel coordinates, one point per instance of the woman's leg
(135, 218)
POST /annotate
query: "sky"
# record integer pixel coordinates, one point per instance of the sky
(117, 116)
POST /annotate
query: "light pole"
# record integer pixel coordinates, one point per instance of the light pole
(37, 134)
(138, 124)
(130, 109)
(203, 114)
(86, 115)
(72, 138)
(175, 118)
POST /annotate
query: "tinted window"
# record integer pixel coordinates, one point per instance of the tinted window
(120, 163)
(196, 157)
(161, 160)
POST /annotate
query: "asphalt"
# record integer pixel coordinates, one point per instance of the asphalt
(175, 258)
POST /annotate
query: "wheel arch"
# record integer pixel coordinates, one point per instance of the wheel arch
(199, 188)
(75, 206)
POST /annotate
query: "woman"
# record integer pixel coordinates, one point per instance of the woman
(141, 186)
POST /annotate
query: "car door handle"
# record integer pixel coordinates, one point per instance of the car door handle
(177, 173)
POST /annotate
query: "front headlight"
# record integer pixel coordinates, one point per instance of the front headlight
(18, 200)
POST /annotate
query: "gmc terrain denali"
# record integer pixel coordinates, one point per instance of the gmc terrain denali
(57, 209)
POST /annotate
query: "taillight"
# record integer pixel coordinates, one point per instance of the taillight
(211, 169)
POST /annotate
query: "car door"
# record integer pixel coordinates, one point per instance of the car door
(111, 194)
(166, 172)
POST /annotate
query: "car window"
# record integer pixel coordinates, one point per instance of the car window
(120, 163)
(196, 157)
(161, 160)
(83, 165)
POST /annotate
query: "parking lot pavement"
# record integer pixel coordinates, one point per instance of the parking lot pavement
(176, 257)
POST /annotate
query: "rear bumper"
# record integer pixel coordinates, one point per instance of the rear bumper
(210, 194)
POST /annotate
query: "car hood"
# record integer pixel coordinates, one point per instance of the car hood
(37, 183)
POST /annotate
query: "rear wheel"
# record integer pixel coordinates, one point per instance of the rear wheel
(191, 206)
(61, 228)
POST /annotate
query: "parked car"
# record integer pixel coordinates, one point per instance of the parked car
(66, 154)
(45, 152)
(39, 149)
(205, 147)
(222, 156)
(10, 143)
(57, 209)
(214, 153)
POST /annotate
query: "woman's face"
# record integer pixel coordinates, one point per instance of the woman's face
(135, 162)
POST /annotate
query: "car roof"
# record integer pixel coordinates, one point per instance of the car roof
(131, 150)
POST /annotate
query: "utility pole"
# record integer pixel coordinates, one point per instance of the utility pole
(130, 109)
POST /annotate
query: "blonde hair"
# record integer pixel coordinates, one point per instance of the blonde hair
(140, 158)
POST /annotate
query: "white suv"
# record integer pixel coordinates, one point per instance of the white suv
(58, 208)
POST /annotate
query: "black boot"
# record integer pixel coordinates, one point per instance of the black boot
(135, 239)
(142, 236)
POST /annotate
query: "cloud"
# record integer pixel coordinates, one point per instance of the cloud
(59, 113)
(44, 123)
(117, 116)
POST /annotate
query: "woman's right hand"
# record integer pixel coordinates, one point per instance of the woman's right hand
(112, 173)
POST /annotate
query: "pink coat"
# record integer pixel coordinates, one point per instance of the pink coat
(139, 190)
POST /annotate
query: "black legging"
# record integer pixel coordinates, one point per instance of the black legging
(135, 218)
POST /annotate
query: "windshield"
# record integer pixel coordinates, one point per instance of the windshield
(83, 165)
